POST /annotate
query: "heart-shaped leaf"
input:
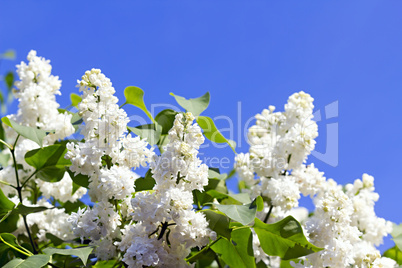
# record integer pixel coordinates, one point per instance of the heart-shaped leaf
(30, 133)
(196, 106)
(284, 239)
(212, 133)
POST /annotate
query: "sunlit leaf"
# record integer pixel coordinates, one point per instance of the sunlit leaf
(49, 162)
(150, 132)
(135, 96)
(212, 133)
(81, 253)
(284, 239)
(8, 55)
(241, 213)
(75, 99)
(30, 133)
(32, 261)
(196, 106)
(218, 222)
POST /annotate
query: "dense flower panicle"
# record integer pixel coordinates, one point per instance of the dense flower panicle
(279, 143)
(104, 129)
(36, 92)
(38, 108)
(107, 155)
(343, 223)
(166, 226)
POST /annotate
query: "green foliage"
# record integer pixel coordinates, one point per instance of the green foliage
(10, 241)
(145, 183)
(33, 134)
(135, 97)
(32, 261)
(212, 133)
(196, 106)
(5, 205)
(75, 99)
(284, 239)
(395, 254)
(81, 253)
(238, 251)
(165, 119)
(21, 209)
(8, 55)
(397, 235)
(9, 79)
(150, 132)
(49, 162)
(79, 179)
(54, 239)
(241, 213)
(218, 222)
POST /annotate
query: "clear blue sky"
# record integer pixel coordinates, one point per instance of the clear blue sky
(256, 52)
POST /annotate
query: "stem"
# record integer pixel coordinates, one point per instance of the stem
(9, 184)
(19, 190)
(6, 144)
(25, 251)
(268, 214)
(25, 182)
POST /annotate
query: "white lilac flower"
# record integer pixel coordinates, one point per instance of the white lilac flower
(107, 155)
(166, 226)
(52, 220)
(36, 93)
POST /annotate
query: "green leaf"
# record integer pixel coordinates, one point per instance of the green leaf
(397, 235)
(218, 222)
(79, 179)
(259, 203)
(284, 239)
(8, 221)
(166, 119)
(4, 160)
(395, 254)
(242, 239)
(81, 253)
(32, 261)
(203, 257)
(30, 133)
(145, 183)
(9, 79)
(11, 241)
(241, 213)
(196, 106)
(212, 133)
(213, 173)
(72, 207)
(8, 55)
(54, 239)
(150, 132)
(49, 162)
(75, 99)
(135, 96)
(242, 198)
(104, 264)
(5, 204)
(228, 253)
(25, 210)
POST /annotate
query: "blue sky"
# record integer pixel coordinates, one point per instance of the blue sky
(256, 52)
